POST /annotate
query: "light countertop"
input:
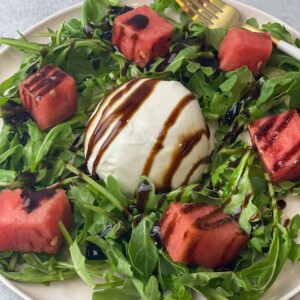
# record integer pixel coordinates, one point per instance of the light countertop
(18, 15)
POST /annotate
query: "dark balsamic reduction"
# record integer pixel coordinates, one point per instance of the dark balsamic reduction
(13, 113)
(28, 179)
(155, 234)
(247, 199)
(233, 164)
(255, 217)
(137, 219)
(204, 224)
(142, 196)
(226, 268)
(208, 61)
(132, 209)
(169, 59)
(125, 68)
(205, 59)
(44, 52)
(285, 121)
(198, 163)
(256, 224)
(106, 35)
(39, 76)
(51, 82)
(105, 231)
(270, 133)
(288, 156)
(163, 133)
(138, 21)
(24, 138)
(162, 201)
(281, 204)
(123, 113)
(77, 143)
(187, 144)
(234, 131)
(104, 25)
(169, 230)
(70, 49)
(267, 217)
(125, 213)
(265, 128)
(189, 207)
(237, 107)
(265, 249)
(198, 188)
(233, 112)
(88, 30)
(93, 252)
(31, 199)
(32, 69)
(44, 81)
(286, 222)
(96, 64)
(99, 128)
(119, 10)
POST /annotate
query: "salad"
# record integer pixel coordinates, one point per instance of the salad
(114, 244)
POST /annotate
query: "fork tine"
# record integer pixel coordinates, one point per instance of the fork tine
(190, 9)
(214, 4)
(186, 8)
(203, 8)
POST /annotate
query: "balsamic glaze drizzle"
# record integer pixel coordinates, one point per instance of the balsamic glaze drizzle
(31, 199)
(138, 21)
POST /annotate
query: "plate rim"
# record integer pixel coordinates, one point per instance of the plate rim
(75, 9)
(295, 32)
(44, 21)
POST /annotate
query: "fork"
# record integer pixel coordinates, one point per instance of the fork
(216, 13)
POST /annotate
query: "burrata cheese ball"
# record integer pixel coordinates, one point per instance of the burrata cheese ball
(147, 127)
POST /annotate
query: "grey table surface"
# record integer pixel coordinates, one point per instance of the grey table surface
(18, 15)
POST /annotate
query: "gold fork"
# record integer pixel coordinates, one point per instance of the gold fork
(216, 13)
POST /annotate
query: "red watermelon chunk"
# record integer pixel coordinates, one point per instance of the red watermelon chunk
(29, 220)
(49, 95)
(201, 234)
(141, 35)
(245, 48)
(277, 140)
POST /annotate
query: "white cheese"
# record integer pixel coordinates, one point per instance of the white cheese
(148, 127)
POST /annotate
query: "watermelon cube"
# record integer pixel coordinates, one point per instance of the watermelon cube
(49, 95)
(141, 35)
(29, 220)
(245, 48)
(201, 234)
(277, 141)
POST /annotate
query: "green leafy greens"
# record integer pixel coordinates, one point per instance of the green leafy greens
(130, 264)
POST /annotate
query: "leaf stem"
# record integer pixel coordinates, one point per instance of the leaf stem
(274, 202)
(65, 233)
(100, 189)
(22, 45)
(104, 286)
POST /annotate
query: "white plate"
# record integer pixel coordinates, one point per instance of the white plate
(287, 284)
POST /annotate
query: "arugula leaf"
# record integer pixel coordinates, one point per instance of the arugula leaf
(132, 266)
(161, 5)
(126, 292)
(141, 249)
(93, 11)
(79, 264)
(278, 31)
